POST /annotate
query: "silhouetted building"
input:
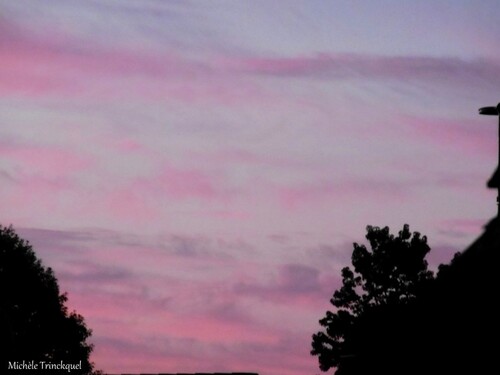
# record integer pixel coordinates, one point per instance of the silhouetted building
(452, 326)
(461, 323)
(195, 373)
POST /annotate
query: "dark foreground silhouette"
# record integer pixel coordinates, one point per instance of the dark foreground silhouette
(384, 281)
(390, 322)
(38, 334)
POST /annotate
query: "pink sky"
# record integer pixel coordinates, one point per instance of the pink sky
(196, 172)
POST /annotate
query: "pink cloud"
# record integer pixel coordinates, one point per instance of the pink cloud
(185, 183)
(40, 54)
(352, 66)
(294, 66)
(39, 177)
(55, 66)
(171, 343)
(149, 323)
(461, 227)
(299, 196)
(127, 202)
(169, 182)
(163, 302)
(44, 160)
(42, 172)
(234, 156)
(238, 215)
(472, 137)
(295, 284)
(47, 66)
(127, 145)
(178, 303)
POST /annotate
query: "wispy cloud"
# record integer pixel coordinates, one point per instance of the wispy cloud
(373, 67)
(196, 174)
(219, 315)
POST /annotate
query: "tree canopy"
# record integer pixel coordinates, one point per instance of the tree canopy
(362, 333)
(35, 324)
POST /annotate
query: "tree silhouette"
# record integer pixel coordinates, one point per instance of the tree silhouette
(371, 319)
(35, 324)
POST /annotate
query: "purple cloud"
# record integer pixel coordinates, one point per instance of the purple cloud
(197, 185)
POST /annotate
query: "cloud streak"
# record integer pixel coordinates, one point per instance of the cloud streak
(197, 184)
(373, 67)
(166, 309)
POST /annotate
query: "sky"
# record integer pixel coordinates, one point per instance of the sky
(195, 172)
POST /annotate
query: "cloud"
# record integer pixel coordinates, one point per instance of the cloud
(363, 66)
(294, 282)
(196, 193)
(465, 136)
(62, 65)
(40, 177)
(296, 197)
(459, 228)
(297, 278)
(152, 299)
(44, 160)
(94, 275)
(185, 183)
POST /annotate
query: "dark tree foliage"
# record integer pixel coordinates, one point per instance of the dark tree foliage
(370, 320)
(35, 324)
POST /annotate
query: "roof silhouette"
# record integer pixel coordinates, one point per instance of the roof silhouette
(193, 373)
(464, 306)
(493, 181)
